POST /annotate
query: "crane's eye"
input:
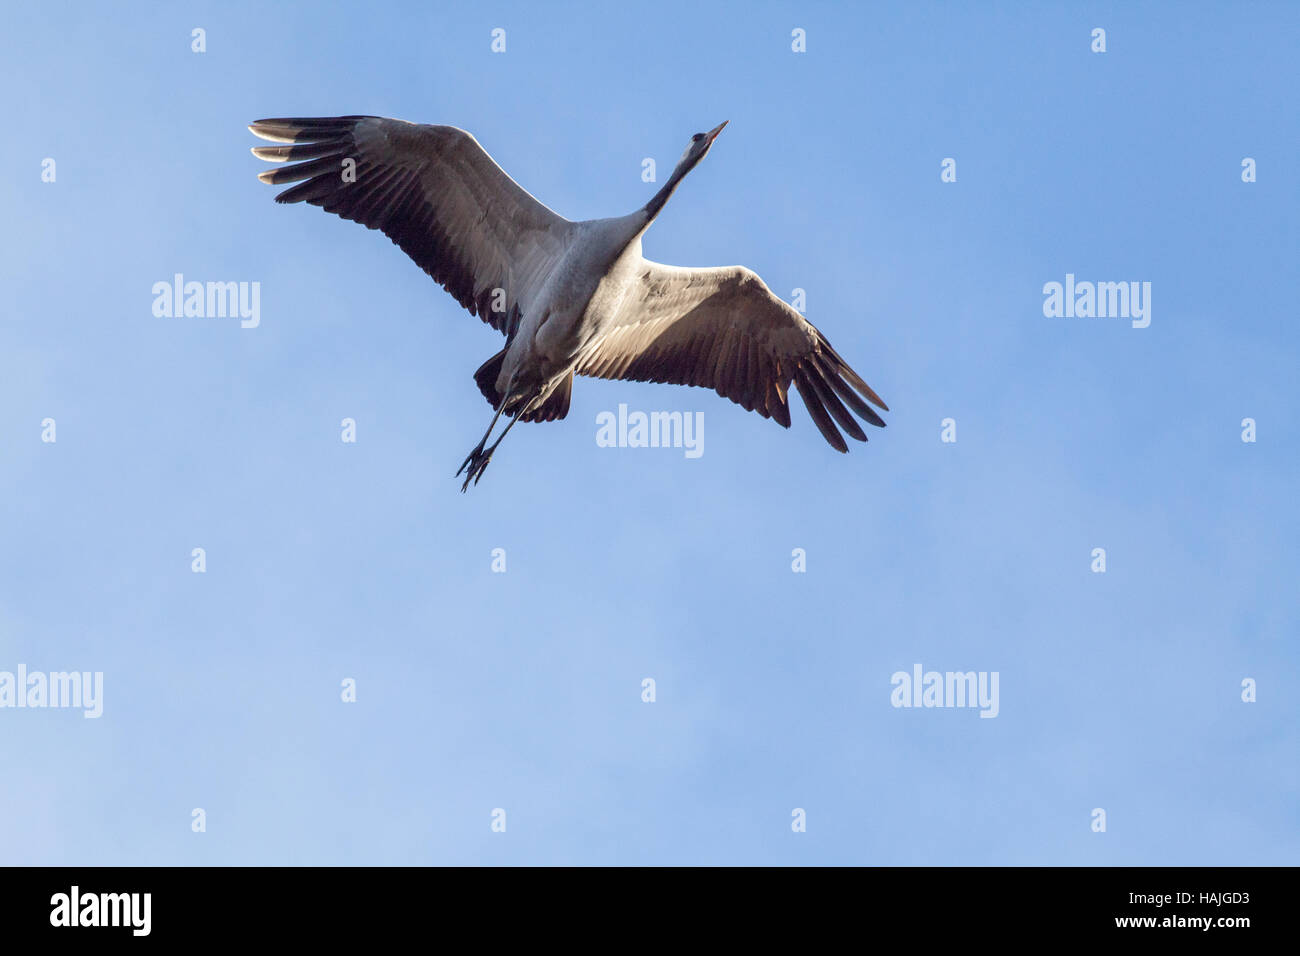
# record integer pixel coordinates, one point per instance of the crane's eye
(697, 137)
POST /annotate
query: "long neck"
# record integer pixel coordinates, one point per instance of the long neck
(657, 202)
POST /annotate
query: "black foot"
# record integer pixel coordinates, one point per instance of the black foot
(476, 464)
(471, 457)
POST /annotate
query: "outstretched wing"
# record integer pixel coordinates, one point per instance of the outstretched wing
(723, 328)
(432, 190)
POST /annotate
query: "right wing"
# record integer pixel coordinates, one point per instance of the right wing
(433, 191)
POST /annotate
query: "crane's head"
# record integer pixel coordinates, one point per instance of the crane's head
(699, 145)
(696, 150)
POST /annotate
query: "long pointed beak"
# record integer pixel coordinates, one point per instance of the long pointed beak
(713, 133)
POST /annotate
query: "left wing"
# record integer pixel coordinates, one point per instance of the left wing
(722, 328)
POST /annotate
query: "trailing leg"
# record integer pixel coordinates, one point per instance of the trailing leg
(477, 453)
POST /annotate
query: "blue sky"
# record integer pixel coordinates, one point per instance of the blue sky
(522, 691)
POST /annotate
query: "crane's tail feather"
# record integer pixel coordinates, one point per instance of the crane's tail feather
(553, 409)
(556, 405)
(486, 378)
